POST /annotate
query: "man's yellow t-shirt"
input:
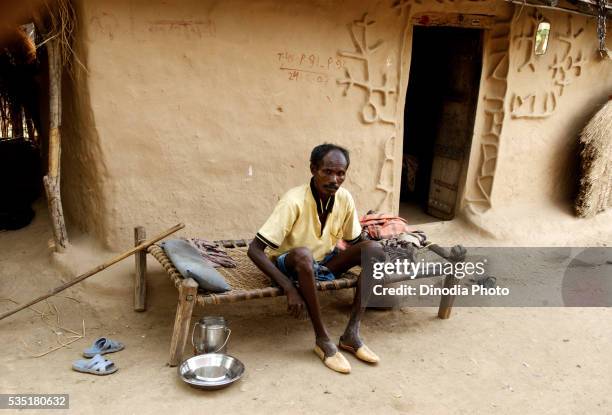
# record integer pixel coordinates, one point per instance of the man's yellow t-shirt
(295, 222)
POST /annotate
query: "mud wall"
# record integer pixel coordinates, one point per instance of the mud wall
(205, 112)
(528, 170)
(551, 98)
(86, 185)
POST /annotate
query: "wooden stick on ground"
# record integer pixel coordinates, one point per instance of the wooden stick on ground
(52, 179)
(99, 268)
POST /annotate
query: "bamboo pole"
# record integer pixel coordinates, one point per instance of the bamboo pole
(93, 271)
(52, 179)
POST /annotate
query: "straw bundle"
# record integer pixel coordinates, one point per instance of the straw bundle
(58, 22)
(595, 194)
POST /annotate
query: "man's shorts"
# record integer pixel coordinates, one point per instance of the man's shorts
(321, 272)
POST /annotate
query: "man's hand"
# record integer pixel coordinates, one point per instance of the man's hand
(295, 304)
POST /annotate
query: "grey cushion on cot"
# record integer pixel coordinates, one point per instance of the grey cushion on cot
(190, 264)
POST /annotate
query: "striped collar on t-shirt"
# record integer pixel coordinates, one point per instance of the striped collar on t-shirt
(321, 207)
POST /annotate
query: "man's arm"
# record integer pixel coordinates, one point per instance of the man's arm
(294, 299)
(352, 232)
(259, 258)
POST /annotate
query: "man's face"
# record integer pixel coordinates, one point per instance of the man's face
(330, 173)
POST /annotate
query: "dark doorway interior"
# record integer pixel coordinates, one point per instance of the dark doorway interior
(20, 152)
(439, 116)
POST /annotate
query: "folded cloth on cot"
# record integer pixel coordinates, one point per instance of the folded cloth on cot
(384, 225)
(390, 230)
(211, 253)
(190, 264)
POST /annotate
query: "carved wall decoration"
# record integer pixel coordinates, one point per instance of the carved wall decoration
(567, 70)
(478, 196)
(567, 65)
(371, 112)
(527, 37)
(446, 19)
(525, 106)
(385, 169)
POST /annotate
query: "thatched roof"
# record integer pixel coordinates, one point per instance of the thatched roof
(595, 192)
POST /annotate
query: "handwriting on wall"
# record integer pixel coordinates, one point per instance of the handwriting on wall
(185, 27)
(309, 67)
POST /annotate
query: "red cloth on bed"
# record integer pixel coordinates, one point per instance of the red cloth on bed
(384, 225)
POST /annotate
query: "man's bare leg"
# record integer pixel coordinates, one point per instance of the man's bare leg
(300, 260)
(343, 262)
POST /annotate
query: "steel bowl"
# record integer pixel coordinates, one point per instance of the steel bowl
(211, 371)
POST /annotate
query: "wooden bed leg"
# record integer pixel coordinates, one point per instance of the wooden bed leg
(456, 254)
(140, 277)
(188, 291)
(446, 302)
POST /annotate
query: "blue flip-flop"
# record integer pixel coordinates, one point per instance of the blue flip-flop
(103, 345)
(97, 365)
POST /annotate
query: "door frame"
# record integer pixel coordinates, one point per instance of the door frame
(483, 22)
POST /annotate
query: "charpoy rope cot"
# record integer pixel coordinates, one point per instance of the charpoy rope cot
(246, 280)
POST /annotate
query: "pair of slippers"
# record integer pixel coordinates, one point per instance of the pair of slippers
(339, 363)
(98, 365)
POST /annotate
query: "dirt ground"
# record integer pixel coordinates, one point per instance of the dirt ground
(481, 361)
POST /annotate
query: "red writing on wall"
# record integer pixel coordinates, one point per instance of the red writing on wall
(186, 27)
(310, 67)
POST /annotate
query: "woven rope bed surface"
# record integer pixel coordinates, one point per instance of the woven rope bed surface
(246, 280)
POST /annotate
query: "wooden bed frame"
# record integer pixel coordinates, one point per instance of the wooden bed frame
(247, 283)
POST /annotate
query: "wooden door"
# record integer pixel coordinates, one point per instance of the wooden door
(463, 59)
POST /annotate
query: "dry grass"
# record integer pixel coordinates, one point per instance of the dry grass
(595, 194)
(51, 318)
(59, 21)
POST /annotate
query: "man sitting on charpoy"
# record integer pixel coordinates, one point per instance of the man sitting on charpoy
(302, 233)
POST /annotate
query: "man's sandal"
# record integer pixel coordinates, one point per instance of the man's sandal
(103, 345)
(336, 362)
(97, 365)
(363, 352)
